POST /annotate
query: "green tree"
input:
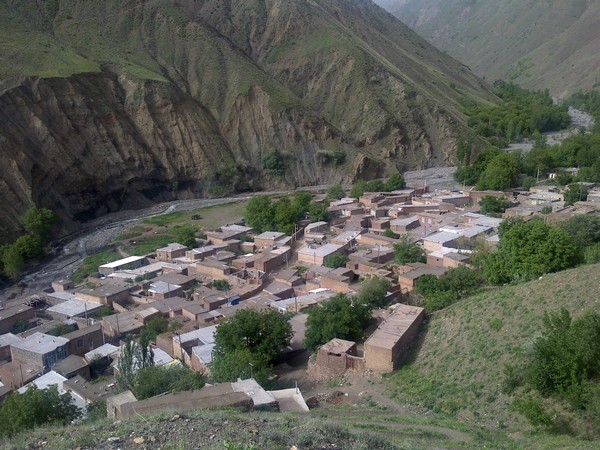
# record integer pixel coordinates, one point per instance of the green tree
(375, 186)
(576, 193)
(338, 317)
(406, 251)
(302, 201)
(335, 192)
(186, 235)
(132, 358)
(388, 233)
(500, 173)
(221, 285)
(335, 261)
(153, 328)
(153, 381)
(583, 229)
(373, 292)
(530, 249)
(592, 254)
(38, 222)
(318, 212)
(28, 247)
(60, 330)
(12, 262)
(493, 206)
(358, 189)
(263, 333)
(395, 182)
(441, 292)
(286, 215)
(239, 363)
(260, 213)
(274, 165)
(20, 326)
(567, 354)
(35, 407)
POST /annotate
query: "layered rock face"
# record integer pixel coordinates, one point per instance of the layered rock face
(188, 98)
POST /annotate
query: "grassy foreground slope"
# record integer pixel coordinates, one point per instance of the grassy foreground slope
(458, 368)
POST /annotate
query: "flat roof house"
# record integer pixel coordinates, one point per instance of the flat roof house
(132, 262)
(318, 255)
(105, 294)
(171, 252)
(386, 347)
(41, 350)
(10, 316)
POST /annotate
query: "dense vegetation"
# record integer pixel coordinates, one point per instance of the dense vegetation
(35, 407)
(407, 251)
(520, 114)
(248, 344)
(393, 183)
(263, 214)
(38, 223)
(440, 292)
(343, 317)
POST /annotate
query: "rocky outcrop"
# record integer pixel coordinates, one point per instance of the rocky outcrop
(193, 94)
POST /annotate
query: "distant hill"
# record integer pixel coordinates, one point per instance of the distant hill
(552, 44)
(458, 368)
(112, 104)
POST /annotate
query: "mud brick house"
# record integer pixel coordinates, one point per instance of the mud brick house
(334, 358)
(85, 339)
(388, 345)
(106, 294)
(40, 350)
(171, 252)
(132, 262)
(10, 316)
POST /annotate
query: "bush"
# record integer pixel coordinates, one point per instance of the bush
(335, 192)
(35, 407)
(318, 212)
(260, 213)
(186, 235)
(441, 292)
(576, 193)
(152, 381)
(492, 205)
(406, 251)
(274, 165)
(395, 182)
(533, 410)
(221, 285)
(335, 261)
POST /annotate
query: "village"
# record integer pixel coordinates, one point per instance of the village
(234, 268)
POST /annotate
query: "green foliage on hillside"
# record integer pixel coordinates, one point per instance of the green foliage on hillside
(35, 407)
(393, 183)
(336, 261)
(493, 336)
(575, 193)
(530, 249)
(263, 214)
(38, 223)
(520, 114)
(441, 292)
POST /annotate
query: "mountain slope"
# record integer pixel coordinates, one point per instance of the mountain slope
(458, 369)
(114, 104)
(554, 44)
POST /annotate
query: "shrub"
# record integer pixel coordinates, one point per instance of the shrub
(335, 261)
(406, 251)
(221, 285)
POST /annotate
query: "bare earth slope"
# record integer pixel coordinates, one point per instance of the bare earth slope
(552, 44)
(111, 104)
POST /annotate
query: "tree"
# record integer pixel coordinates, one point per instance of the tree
(239, 363)
(286, 215)
(153, 328)
(500, 173)
(375, 186)
(530, 249)
(373, 292)
(441, 292)
(406, 251)
(492, 205)
(186, 235)
(152, 381)
(395, 182)
(38, 222)
(388, 233)
(28, 247)
(256, 335)
(567, 354)
(318, 212)
(260, 213)
(12, 261)
(221, 285)
(358, 189)
(576, 193)
(20, 326)
(302, 201)
(274, 164)
(583, 229)
(335, 261)
(338, 317)
(335, 192)
(132, 358)
(60, 330)
(35, 407)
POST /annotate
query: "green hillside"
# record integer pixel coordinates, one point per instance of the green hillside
(553, 44)
(458, 368)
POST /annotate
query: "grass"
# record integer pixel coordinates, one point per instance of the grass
(210, 217)
(458, 369)
(91, 263)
